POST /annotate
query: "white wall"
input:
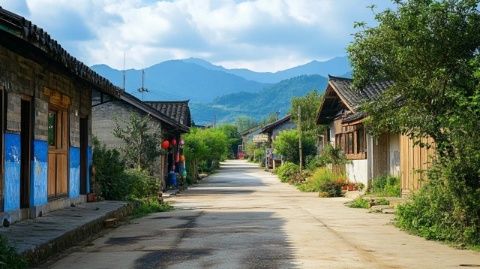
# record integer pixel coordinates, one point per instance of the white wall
(394, 154)
(357, 171)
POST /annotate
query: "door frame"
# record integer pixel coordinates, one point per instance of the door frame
(3, 116)
(26, 151)
(62, 136)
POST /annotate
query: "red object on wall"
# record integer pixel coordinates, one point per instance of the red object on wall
(165, 144)
(174, 142)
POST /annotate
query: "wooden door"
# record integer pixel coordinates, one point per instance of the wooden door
(57, 152)
(26, 145)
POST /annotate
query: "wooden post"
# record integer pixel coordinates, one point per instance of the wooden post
(300, 149)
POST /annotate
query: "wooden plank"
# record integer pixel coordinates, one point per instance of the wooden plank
(51, 174)
(62, 174)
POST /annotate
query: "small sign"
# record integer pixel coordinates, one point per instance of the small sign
(260, 138)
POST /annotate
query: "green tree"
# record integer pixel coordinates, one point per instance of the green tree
(286, 144)
(244, 123)
(141, 143)
(233, 137)
(309, 109)
(429, 49)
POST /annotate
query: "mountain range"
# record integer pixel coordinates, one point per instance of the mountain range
(221, 94)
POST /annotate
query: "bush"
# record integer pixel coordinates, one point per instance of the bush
(359, 202)
(9, 257)
(287, 171)
(149, 205)
(326, 182)
(386, 186)
(109, 172)
(140, 184)
(445, 208)
(286, 144)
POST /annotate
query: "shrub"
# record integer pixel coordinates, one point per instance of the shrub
(286, 144)
(149, 205)
(386, 186)
(9, 257)
(109, 172)
(287, 171)
(324, 181)
(359, 202)
(140, 184)
(445, 208)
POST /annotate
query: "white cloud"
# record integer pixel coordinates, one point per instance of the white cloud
(264, 35)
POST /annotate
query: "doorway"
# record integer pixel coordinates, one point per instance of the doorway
(26, 146)
(57, 153)
(83, 155)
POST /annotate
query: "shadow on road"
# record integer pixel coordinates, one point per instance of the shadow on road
(223, 240)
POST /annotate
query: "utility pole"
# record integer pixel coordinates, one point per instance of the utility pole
(143, 90)
(124, 72)
(300, 149)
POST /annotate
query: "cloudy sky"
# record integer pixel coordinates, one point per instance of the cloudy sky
(262, 35)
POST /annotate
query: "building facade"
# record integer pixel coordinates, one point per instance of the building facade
(45, 121)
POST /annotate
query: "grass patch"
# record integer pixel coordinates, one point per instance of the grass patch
(147, 206)
(387, 186)
(9, 257)
(359, 203)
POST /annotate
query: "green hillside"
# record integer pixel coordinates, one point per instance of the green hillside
(275, 98)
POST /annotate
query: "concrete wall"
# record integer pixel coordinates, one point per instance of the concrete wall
(357, 171)
(105, 117)
(22, 77)
(286, 126)
(394, 154)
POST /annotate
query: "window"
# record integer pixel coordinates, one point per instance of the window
(352, 141)
(52, 128)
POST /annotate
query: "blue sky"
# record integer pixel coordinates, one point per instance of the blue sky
(262, 35)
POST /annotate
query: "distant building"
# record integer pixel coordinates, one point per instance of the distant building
(272, 130)
(172, 119)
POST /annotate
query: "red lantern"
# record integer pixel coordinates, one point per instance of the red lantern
(165, 144)
(174, 142)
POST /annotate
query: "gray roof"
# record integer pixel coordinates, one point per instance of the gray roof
(273, 125)
(340, 95)
(355, 97)
(177, 110)
(29, 39)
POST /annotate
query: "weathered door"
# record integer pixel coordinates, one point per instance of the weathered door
(83, 155)
(57, 152)
(26, 145)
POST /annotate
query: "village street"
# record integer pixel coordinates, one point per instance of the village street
(243, 217)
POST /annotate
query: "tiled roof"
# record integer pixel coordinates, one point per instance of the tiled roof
(355, 97)
(16, 27)
(273, 125)
(134, 101)
(340, 95)
(176, 110)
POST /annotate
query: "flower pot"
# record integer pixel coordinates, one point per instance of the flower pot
(91, 197)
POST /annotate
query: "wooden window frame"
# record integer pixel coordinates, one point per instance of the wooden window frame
(348, 141)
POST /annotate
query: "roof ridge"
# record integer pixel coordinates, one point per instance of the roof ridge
(337, 77)
(173, 101)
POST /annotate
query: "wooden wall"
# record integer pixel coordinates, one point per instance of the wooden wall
(414, 160)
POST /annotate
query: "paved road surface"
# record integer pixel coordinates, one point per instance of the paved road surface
(243, 217)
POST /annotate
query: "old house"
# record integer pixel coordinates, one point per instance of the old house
(272, 130)
(369, 157)
(45, 121)
(170, 118)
